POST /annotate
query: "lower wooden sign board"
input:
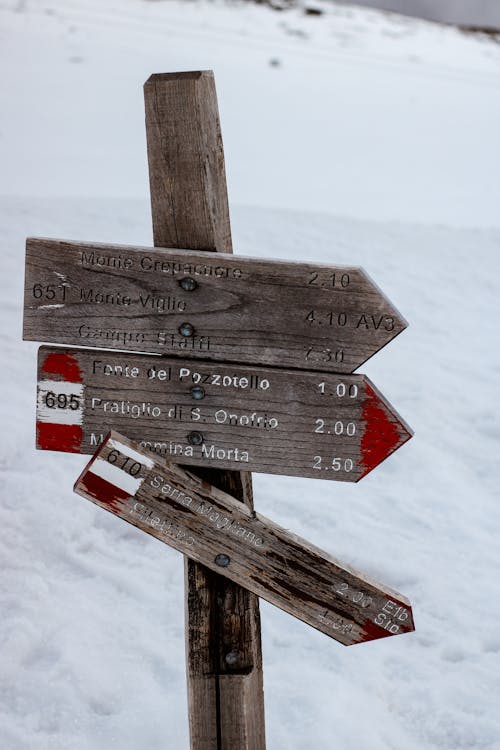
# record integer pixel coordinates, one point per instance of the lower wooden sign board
(214, 529)
(309, 424)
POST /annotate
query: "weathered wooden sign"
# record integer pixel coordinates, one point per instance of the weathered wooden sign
(185, 303)
(212, 528)
(310, 424)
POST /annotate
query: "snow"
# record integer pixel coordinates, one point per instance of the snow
(373, 143)
(418, 103)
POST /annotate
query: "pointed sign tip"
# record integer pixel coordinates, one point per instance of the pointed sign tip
(394, 619)
(384, 433)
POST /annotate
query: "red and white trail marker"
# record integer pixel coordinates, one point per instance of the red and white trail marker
(214, 529)
(60, 427)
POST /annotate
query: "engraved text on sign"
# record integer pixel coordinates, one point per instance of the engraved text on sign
(322, 425)
(180, 303)
(212, 528)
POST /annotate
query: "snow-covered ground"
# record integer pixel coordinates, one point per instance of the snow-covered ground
(374, 141)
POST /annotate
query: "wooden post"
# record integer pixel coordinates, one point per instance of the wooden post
(190, 210)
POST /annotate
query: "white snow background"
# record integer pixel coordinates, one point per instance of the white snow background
(354, 137)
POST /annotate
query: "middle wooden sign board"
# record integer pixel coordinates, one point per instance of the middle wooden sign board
(295, 422)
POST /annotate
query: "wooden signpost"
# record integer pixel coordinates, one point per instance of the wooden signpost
(220, 364)
(189, 207)
(302, 315)
(309, 424)
(210, 527)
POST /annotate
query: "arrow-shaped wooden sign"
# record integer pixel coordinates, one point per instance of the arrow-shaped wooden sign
(323, 425)
(212, 528)
(200, 306)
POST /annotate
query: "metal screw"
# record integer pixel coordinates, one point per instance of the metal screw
(222, 560)
(197, 392)
(232, 659)
(188, 284)
(195, 438)
(186, 329)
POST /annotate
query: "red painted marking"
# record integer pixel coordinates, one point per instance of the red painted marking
(63, 364)
(94, 458)
(372, 632)
(103, 491)
(59, 437)
(382, 436)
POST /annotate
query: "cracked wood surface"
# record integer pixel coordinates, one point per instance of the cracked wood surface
(277, 421)
(211, 527)
(194, 304)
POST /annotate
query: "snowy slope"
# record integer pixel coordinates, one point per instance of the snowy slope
(91, 611)
(367, 115)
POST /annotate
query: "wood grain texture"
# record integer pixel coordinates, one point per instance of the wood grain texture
(246, 310)
(294, 422)
(186, 162)
(211, 527)
(190, 209)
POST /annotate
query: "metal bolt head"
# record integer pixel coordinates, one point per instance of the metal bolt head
(186, 329)
(222, 560)
(232, 659)
(197, 392)
(195, 438)
(188, 284)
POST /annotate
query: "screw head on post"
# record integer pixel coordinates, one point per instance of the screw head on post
(232, 658)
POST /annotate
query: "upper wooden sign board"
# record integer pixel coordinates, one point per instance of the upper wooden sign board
(195, 305)
(309, 424)
(214, 529)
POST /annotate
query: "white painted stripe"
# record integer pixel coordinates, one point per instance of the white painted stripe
(61, 386)
(116, 476)
(48, 391)
(144, 460)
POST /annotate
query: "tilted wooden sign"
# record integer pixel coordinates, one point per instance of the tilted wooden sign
(191, 304)
(212, 528)
(300, 423)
